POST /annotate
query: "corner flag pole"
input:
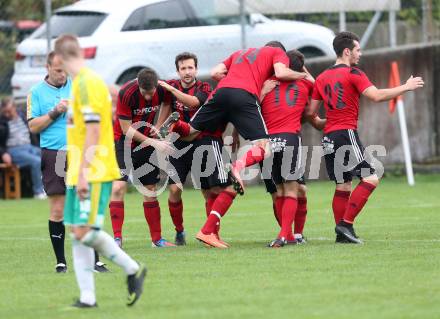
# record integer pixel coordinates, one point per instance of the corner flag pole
(394, 81)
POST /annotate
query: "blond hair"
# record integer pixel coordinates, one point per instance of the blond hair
(67, 46)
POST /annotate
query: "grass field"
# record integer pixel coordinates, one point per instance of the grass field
(395, 274)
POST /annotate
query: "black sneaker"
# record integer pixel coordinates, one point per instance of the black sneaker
(234, 178)
(79, 304)
(61, 268)
(100, 267)
(277, 243)
(347, 231)
(135, 284)
(341, 239)
(164, 130)
(179, 240)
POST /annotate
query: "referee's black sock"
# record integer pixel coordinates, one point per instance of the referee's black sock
(57, 232)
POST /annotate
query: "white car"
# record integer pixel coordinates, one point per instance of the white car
(121, 37)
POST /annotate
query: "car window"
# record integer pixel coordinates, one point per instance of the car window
(311, 52)
(135, 20)
(80, 23)
(162, 15)
(217, 12)
(169, 14)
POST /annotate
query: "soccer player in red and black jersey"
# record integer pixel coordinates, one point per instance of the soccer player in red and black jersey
(235, 100)
(188, 95)
(138, 103)
(340, 87)
(282, 107)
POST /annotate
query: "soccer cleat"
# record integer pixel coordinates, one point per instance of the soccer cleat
(165, 129)
(100, 267)
(61, 268)
(220, 240)
(210, 240)
(179, 240)
(300, 240)
(235, 179)
(347, 232)
(118, 241)
(135, 285)
(79, 304)
(277, 243)
(162, 243)
(341, 239)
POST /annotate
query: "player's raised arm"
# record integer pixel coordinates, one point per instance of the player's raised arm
(219, 72)
(164, 112)
(380, 95)
(39, 123)
(129, 130)
(282, 72)
(188, 100)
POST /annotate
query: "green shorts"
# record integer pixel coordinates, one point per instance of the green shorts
(91, 211)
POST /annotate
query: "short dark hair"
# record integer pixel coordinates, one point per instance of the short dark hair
(275, 44)
(185, 56)
(147, 79)
(296, 60)
(50, 57)
(344, 40)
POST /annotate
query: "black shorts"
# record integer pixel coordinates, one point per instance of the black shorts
(209, 160)
(269, 184)
(344, 156)
(53, 171)
(180, 167)
(145, 158)
(286, 159)
(237, 106)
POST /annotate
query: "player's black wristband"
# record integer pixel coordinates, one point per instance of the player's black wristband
(54, 114)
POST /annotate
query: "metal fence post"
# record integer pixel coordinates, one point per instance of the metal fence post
(243, 24)
(48, 10)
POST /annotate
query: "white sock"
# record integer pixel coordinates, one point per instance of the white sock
(83, 263)
(104, 244)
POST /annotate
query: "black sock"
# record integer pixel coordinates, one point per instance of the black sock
(57, 232)
(96, 256)
(347, 225)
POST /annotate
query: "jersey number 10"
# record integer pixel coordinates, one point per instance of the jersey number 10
(291, 94)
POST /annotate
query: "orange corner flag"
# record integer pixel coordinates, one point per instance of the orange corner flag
(394, 81)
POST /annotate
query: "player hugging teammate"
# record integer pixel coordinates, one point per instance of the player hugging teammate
(264, 92)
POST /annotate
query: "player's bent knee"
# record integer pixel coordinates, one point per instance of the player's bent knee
(373, 179)
(215, 190)
(118, 190)
(175, 194)
(346, 187)
(302, 190)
